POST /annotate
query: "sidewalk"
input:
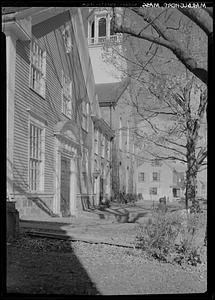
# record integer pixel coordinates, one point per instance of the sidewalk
(93, 226)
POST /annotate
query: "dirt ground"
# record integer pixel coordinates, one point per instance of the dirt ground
(42, 266)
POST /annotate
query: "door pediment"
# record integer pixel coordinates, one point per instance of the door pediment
(65, 132)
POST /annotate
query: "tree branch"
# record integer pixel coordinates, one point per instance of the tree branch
(209, 10)
(167, 40)
(199, 17)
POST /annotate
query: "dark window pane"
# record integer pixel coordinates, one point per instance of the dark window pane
(92, 29)
(102, 27)
(111, 27)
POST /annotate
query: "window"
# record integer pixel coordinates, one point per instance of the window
(108, 150)
(153, 191)
(67, 96)
(85, 112)
(141, 177)
(36, 137)
(85, 161)
(156, 163)
(120, 133)
(112, 33)
(92, 32)
(38, 69)
(102, 30)
(102, 146)
(96, 141)
(155, 176)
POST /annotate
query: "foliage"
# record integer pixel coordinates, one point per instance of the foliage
(172, 237)
(126, 198)
(158, 235)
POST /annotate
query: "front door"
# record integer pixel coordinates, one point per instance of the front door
(65, 187)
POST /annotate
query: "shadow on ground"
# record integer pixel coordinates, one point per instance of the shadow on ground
(46, 266)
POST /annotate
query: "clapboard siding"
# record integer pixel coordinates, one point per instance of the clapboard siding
(48, 35)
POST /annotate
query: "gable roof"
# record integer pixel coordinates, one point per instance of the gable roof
(109, 93)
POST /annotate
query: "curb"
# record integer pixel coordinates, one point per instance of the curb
(58, 236)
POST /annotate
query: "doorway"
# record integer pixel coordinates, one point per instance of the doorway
(65, 187)
(176, 192)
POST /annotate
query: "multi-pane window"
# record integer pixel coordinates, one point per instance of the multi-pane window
(153, 191)
(96, 141)
(155, 176)
(141, 177)
(100, 29)
(120, 133)
(156, 163)
(38, 69)
(85, 113)
(102, 146)
(35, 158)
(85, 161)
(108, 150)
(67, 96)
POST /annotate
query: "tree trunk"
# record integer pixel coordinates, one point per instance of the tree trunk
(191, 177)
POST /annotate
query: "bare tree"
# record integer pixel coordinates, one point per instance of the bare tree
(170, 117)
(171, 125)
(162, 34)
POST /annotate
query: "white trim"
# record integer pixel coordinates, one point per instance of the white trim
(11, 73)
(42, 90)
(41, 125)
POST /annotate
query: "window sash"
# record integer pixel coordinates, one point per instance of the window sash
(155, 176)
(37, 69)
(141, 177)
(96, 141)
(35, 159)
(153, 191)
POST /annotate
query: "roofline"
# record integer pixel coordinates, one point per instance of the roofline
(122, 92)
(103, 125)
(114, 102)
(107, 103)
(23, 14)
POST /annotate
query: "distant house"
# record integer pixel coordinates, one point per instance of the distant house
(52, 112)
(157, 178)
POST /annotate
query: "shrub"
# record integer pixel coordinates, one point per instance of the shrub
(172, 237)
(126, 198)
(158, 235)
